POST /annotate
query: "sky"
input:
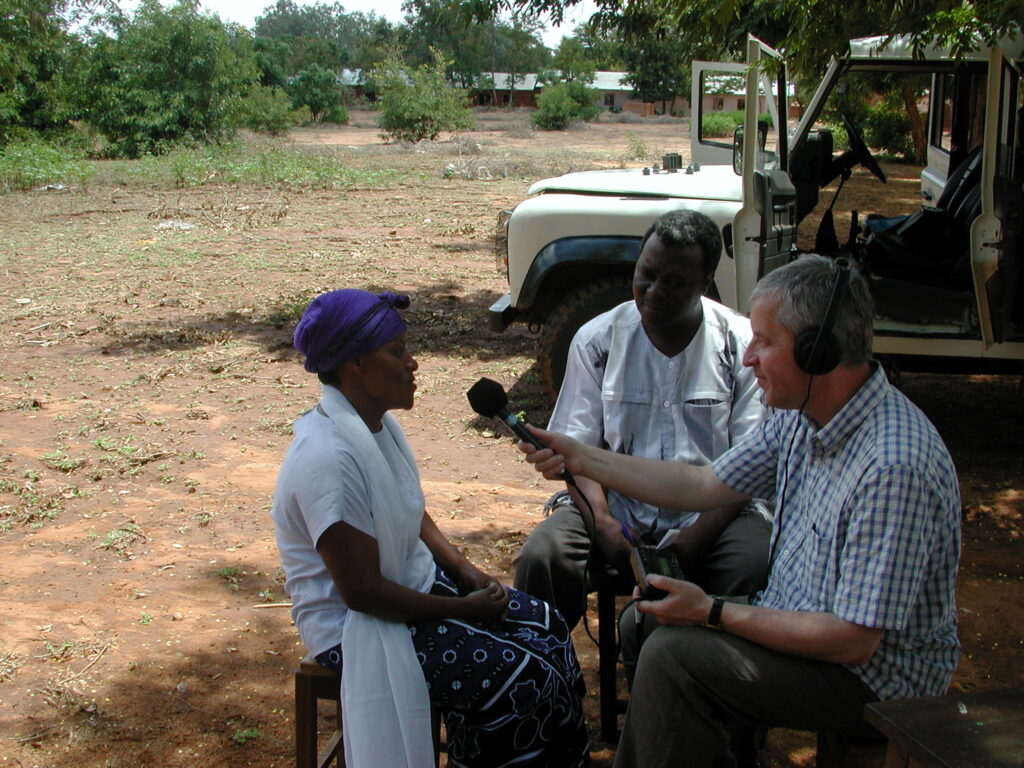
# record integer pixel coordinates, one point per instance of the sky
(244, 12)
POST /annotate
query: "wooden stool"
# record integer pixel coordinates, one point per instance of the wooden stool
(838, 751)
(604, 579)
(314, 682)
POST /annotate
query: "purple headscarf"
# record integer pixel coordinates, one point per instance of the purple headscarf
(339, 326)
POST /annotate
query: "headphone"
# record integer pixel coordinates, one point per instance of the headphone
(816, 350)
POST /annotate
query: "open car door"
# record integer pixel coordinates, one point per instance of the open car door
(995, 235)
(764, 229)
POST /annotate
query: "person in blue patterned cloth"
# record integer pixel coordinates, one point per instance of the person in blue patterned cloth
(381, 596)
(859, 604)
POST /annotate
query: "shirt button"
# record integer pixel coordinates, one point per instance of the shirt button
(671, 363)
(666, 403)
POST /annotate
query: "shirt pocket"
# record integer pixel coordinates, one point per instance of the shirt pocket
(819, 565)
(705, 418)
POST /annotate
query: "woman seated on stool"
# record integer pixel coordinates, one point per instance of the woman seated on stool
(381, 596)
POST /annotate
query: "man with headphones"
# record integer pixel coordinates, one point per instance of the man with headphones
(865, 546)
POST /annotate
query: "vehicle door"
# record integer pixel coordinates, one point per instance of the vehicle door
(995, 234)
(764, 229)
(718, 95)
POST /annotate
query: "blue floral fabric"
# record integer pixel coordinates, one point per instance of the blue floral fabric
(510, 695)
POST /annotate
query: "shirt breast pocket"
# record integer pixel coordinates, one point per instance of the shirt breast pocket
(820, 565)
(705, 417)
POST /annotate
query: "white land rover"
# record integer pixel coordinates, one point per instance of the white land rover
(947, 280)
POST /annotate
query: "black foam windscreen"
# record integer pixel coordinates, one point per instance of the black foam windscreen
(487, 397)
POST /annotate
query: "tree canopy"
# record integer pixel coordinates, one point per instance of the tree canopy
(810, 33)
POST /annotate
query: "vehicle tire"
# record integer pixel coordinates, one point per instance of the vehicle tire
(575, 309)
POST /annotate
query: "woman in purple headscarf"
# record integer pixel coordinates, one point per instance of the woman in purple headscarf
(379, 593)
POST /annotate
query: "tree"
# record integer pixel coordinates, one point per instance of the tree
(166, 76)
(655, 65)
(573, 61)
(316, 87)
(35, 50)
(471, 38)
(419, 103)
(603, 47)
(808, 32)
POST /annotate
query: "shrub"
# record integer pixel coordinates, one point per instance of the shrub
(637, 150)
(840, 141)
(888, 128)
(268, 110)
(418, 104)
(562, 103)
(718, 124)
(337, 115)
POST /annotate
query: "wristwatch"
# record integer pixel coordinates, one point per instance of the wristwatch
(715, 616)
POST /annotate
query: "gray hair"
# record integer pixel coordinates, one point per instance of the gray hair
(683, 227)
(803, 289)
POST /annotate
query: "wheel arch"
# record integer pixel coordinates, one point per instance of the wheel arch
(568, 263)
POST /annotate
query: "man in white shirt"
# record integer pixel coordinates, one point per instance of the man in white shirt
(662, 377)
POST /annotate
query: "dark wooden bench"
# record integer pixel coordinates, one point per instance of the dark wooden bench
(960, 730)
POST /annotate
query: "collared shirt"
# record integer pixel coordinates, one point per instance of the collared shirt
(621, 393)
(867, 528)
(323, 480)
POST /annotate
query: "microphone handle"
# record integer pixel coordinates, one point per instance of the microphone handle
(513, 423)
(517, 426)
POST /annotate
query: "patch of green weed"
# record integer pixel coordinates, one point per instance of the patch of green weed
(242, 735)
(59, 460)
(29, 164)
(121, 539)
(31, 506)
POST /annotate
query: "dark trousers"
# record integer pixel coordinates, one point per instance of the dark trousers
(694, 685)
(552, 563)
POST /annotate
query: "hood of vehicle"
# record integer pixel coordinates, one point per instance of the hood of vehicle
(710, 182)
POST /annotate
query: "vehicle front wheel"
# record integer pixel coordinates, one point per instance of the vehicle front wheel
(575, 309)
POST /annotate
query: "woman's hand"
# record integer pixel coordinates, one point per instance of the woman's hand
(470, 578)
(487, 605)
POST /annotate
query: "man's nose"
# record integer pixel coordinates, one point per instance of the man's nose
(657, 288)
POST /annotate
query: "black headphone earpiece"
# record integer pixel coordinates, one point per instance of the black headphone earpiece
(816, 350)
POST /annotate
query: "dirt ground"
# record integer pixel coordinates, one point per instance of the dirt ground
(146, 393)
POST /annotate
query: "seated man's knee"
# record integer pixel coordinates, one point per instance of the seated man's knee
(540, 546)
(690, 649)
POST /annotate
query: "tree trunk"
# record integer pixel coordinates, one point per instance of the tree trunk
(909, 95)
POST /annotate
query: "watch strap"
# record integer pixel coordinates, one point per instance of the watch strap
(715, 615)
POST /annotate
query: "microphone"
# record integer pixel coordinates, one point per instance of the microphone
(488, 398)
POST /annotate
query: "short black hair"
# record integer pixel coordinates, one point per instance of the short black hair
(683, 227)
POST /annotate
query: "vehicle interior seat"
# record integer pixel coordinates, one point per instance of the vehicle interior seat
(932, 245)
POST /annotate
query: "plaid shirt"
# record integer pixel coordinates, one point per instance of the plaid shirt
(869, 529)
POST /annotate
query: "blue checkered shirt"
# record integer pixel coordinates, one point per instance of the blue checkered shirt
(869, 529)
